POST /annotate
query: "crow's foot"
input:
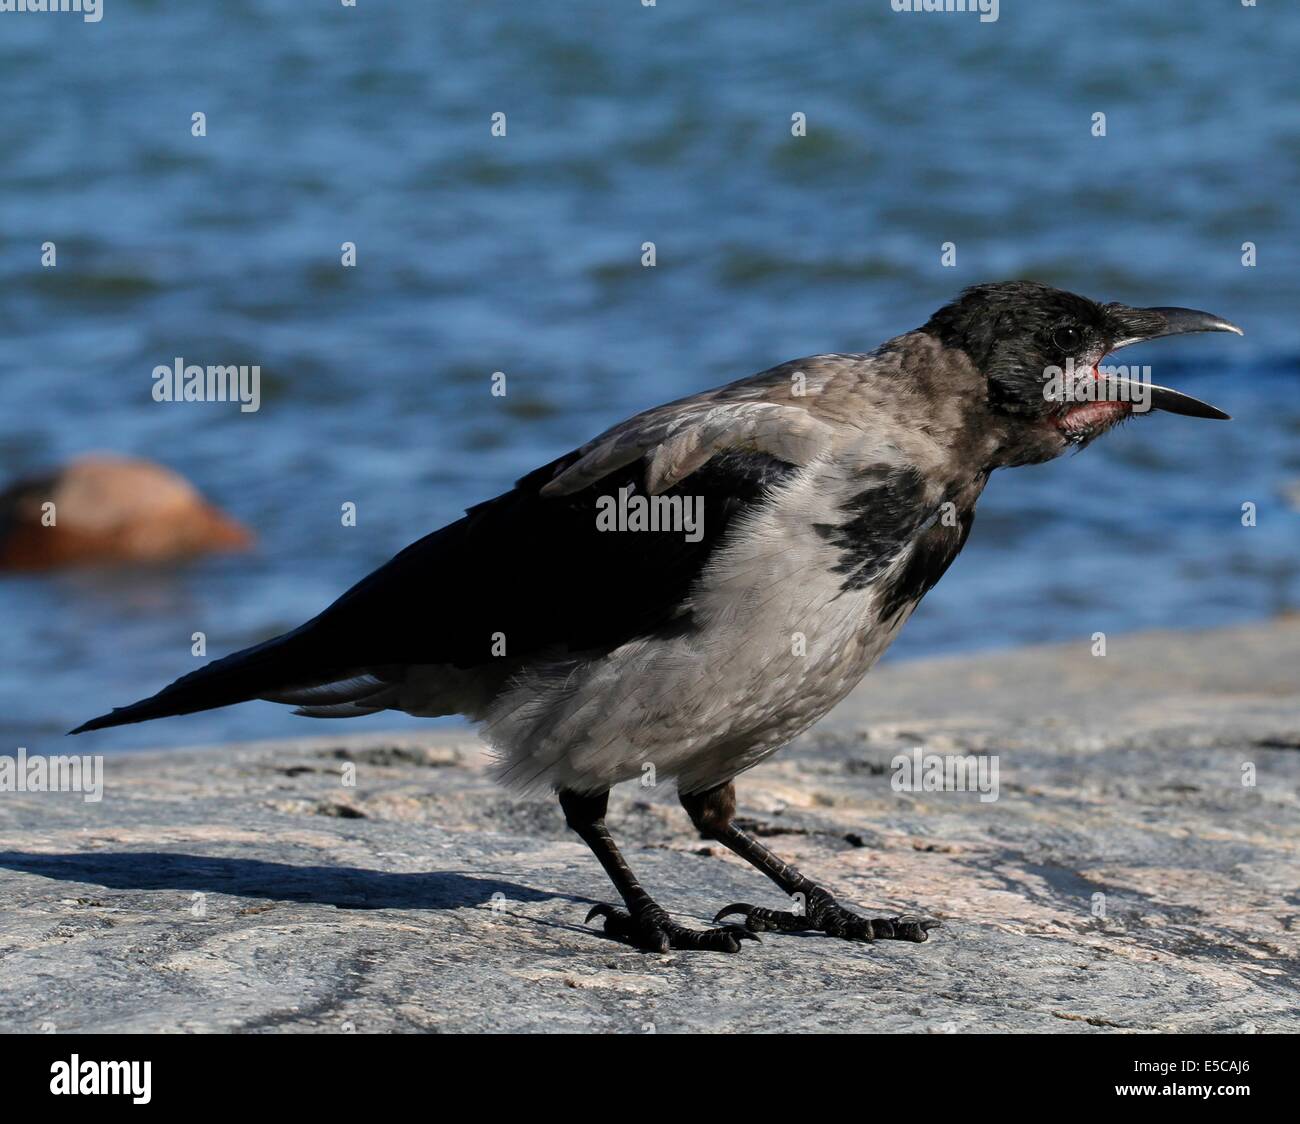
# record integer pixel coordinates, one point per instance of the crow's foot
(822, 914)
(652, 930)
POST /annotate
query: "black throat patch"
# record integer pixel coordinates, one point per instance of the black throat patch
(881, 519)
(890, 515)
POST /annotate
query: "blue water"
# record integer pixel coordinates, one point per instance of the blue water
(521, 254)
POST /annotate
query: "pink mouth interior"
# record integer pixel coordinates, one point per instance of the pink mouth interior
(1094, 415)
(1090, 415)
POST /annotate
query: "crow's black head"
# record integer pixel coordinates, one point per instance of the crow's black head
(1041, 350)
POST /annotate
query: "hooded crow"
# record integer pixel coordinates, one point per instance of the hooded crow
(829, 495)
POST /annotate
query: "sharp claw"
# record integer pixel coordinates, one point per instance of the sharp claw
(737, 908)
(602, 910)
(915, 929)
(742, 934)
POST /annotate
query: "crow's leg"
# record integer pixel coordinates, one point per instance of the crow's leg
(644, 923)
(714, 811)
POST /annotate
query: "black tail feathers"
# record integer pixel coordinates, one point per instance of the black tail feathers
(232, 679)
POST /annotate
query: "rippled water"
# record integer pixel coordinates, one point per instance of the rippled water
(521, 254)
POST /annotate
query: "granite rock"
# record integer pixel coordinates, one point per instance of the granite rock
(1137, 871)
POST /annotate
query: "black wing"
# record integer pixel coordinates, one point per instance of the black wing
(536, 569)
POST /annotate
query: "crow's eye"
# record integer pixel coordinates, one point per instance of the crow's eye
(1067, 338)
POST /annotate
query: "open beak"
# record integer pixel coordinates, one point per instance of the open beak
(1137, 325)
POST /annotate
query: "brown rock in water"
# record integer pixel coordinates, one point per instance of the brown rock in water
(109, 509)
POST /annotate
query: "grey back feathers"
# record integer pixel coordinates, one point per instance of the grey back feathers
(676, 440)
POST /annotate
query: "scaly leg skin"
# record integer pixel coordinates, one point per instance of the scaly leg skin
(643, 924)
(714, 811)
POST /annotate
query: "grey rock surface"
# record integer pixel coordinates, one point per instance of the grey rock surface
(1128, 877)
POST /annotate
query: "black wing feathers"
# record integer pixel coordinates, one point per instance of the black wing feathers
(539, 571)
(536, 570)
